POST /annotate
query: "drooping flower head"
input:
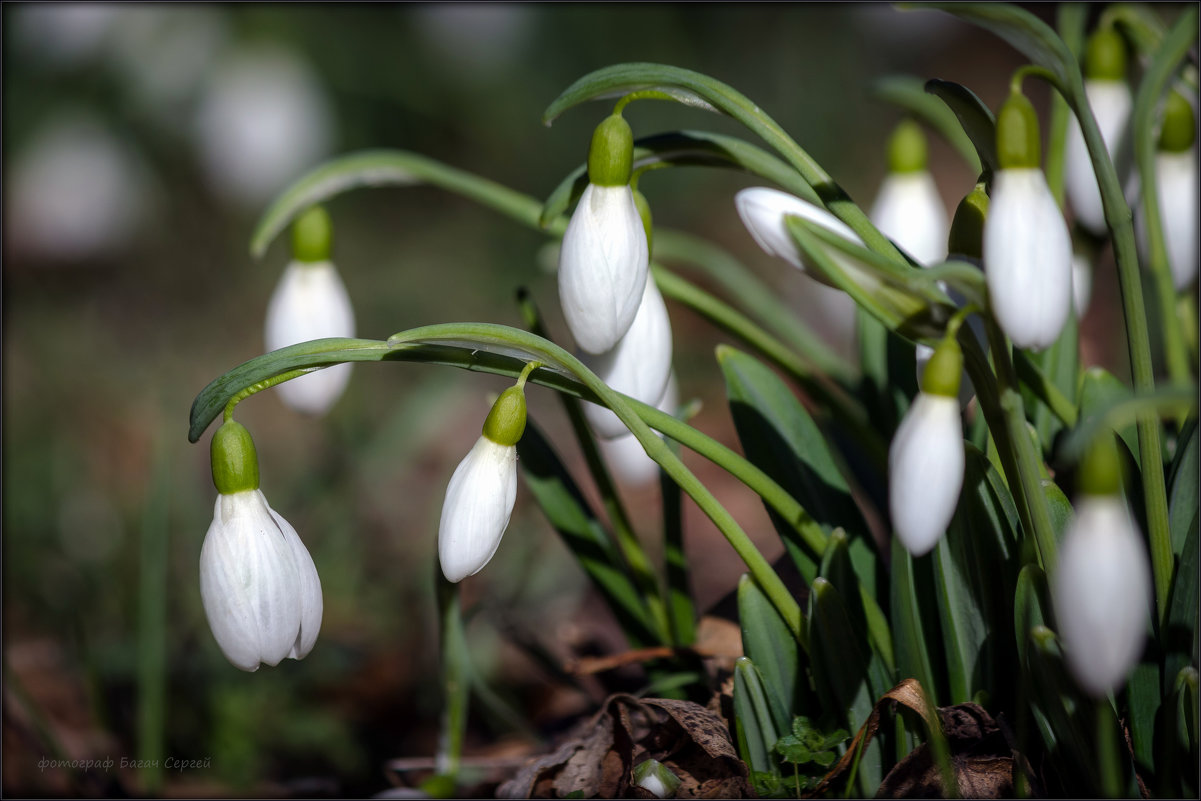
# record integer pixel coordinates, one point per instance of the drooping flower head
(1110, 100)
(258, 584)
(908, 209)
(1176, 184)
(1027, 249)
(925, 460)
(310, 302)
(625, 455)
(604, 258)
(483, 489)
(1101, 587)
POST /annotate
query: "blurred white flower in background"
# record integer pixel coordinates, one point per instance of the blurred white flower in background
(75, 192)
(263, 119)
(478, 35)
(64, 34)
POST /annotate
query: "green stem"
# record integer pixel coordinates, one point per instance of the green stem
(1108, 758)
(456, 682)
(1044, 389)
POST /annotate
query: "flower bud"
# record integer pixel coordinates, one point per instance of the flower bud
(482, 491)
(656, 778)
(603, 264)
(925, 468)
(258, 584)
(310, 302)
(1027, 258)
(1176, 184)
(611, 153)
(638, 366)
(1017, 134)
(908, 209)
(1101, 592)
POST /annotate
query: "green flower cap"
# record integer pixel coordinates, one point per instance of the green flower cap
(611, 154)
(967, 229)
(1179, 130)
(1017, 134)
(1105, 56)
(944, 370)
(312, 236)
(506, 422)
(907, 148)
(644, 211)
(235, 462)
(1100, 469)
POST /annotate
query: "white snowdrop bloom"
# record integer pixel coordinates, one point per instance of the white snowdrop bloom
(909, 211)
(262, 119)
(639, 365)
(1027, 258)
(625, 455)
(925, 459)
(603, 265)
(479, 40)
(479, 499)
(656, 778)
(1102, 593)
(764, 212)
(77, 192)
(310, 302)
(64, 34)
(259, 586)
(1176, 184)
(1111, 102)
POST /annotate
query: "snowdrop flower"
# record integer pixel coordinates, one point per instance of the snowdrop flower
(908, 209)
(764, 212)
(1110, 100)
(310, 302)
(1101, 588)
(1027, 249)
(925, 460)
(604, 257)
(656, 778)
(625, 455)
(480, 497)
(258, 584)
(639, 365)
(1176, 185)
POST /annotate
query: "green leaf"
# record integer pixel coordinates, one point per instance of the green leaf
(868, 624)
(1060, 366)
(753, 724)
(1031, 607)
(1100, 391)
(767, 642)
(975, 119)
(1183, 487)
(911, 93)
(1070, 715)
(913, 615)
(384, 168)
(1179, 639)
(583, 534)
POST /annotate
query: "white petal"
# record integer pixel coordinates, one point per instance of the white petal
(638, 365)
(479, 501)
(1027, 259)
(603, 264)
(1102, 591)
(925, 471)
(910, 212)
(625, 455)
(249, 582)
(1110, 102)
(308, 591)
(1082, 283)
(1176, 175)
(310, 302)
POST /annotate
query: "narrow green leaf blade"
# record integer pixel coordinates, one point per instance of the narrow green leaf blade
(976, 120)
(911, 94)
(1183, 484)
(768, 643)
(754, 729)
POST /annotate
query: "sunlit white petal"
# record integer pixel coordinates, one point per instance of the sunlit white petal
(910, 212)
(1101, 591)
(603, 264)
(1027, 259)
(638, 366)
(478, 504)
(925, 471)
(310, 302)
(258, 583)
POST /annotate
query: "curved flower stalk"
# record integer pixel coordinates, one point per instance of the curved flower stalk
(764, 212)
(925, 460)
(1027, 248)
(258, 584)
(310, 302)
(908, 209)
(1102, 585)
(1176, 182)
(604, 258)
(625, 455)
(483, 489)
(1110, 99)
(639, 365)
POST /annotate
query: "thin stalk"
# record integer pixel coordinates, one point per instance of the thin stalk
(1108, 758)
(456, 682)
(681, 611)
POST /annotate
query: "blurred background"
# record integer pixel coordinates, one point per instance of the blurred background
(140, 145)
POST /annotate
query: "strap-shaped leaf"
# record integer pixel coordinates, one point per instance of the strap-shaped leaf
(1183, 486)
(911, 94)
(767, 642)
(754, 728)
(976, 120)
